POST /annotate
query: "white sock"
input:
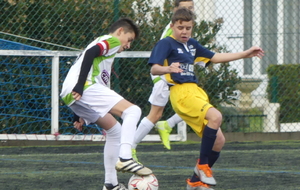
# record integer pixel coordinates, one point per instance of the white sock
(131, 117)
(175, 119)
(143, 129)
(111, 153)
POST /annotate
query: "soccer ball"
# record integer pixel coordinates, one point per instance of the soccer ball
(148, 182)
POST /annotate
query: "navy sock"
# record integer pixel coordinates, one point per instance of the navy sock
(213, 157)
(194, 178)
(207, 143)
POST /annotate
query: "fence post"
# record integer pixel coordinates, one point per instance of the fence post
(271, 123)
(55, 95)
(181, 129)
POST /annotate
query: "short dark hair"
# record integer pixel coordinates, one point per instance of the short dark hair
(128, 25)
(183, 14)
(177, 2)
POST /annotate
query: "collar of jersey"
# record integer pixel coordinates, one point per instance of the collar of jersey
(177, 40)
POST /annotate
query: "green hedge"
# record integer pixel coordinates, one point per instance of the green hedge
(284, 88)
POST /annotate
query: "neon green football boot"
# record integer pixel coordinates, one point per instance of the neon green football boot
(164, 131)
(133, 153)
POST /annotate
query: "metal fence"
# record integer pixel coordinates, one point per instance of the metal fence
(248, 104)
(30, 104)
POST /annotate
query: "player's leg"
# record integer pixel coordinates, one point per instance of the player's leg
(215, 153)
(104, 100)
(194, 181)
(191, 104)
(214, 118)
(174, 120)
(111, 149)
(112, 143)
(158, 99)
(165, 128)
(147, 123)
(145, 126)
(209, 135)
(130, 115)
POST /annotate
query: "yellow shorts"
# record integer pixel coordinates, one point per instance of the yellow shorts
(191, 103)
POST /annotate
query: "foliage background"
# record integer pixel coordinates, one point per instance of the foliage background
(66, 24)
(284, 88)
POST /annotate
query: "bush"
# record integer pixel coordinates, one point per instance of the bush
(284, 88)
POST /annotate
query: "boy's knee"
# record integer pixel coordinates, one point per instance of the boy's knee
(214, 116)
(132, 110)
(114, 133)
(217, 118)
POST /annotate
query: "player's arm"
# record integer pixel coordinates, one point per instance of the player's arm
(158, 55)
(87, 63)
(158, 69)
(254, 51)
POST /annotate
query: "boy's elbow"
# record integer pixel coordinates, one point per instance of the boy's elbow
(214, 60)
(154, 70)
(217, 58)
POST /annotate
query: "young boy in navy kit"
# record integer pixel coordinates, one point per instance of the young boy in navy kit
(174, 57)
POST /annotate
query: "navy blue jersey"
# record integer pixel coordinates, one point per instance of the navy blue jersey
(169, 50)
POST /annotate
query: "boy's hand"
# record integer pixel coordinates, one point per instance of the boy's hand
(254, 51)
(78, 124)
(175, 68)
(76, 95)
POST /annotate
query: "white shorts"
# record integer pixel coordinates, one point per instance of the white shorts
(160, 94)
(96, 101)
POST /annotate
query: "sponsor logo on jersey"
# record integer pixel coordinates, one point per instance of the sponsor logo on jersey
(180, 50)
(105, 76)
